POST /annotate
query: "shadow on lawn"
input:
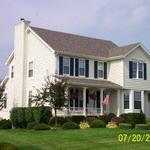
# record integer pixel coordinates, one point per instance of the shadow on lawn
(29, 147)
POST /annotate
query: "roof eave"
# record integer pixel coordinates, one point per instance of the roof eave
(10, 58)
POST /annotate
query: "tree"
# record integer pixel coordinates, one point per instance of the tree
(53, 93)
(2, 96)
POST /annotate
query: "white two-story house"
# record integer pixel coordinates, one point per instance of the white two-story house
(94, 68)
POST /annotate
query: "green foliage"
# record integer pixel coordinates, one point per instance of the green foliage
(142, 126)
(31, 125)
(148, 120)
(70, 125)
(97, 124)
(42, 126)
(5, 124)
(60, 120)
(20, 117)
(77, 119)
(7, 146)
(125, 126)
(53, 92)
(117, 120)
(89, 119)
(107, 118)
(134, 118)
(36, 115)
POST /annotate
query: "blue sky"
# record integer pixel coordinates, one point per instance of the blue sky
(122, 21)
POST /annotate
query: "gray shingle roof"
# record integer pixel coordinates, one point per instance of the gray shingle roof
(75, 44)
(92, 83)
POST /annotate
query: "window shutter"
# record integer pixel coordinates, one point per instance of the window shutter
(87, 97)
(130, 69)
(76, 67)
(71, 66)
(145, 71)
(60, 65)
(105, 70)
(95, 69)
(87, 68)
(98, 99)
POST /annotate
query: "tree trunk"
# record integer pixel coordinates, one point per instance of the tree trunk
(55, 116)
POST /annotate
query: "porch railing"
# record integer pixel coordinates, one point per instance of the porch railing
(79, 111)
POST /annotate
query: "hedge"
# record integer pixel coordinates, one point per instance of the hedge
(107, 117)
(42, 126)
(134, 118)
(60, 120)
(125, 126)
(70, 125)
(97, 124)
(142, 126)
(5, 124)
(21, 116)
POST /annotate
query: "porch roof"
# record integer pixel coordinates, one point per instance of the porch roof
(93, 83)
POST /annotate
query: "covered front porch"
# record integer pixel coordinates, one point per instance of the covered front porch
(86, 97)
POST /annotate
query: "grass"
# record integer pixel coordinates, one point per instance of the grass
(91, 139)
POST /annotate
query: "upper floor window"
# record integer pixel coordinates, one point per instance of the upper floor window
(66, 65)
(100, 69)
(126, 99)
(137, 100)
(138, 70)
(12, 72)
(82, 67)
(30, 71)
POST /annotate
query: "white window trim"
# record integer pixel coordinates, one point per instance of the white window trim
(65, 57)
(28, 62)
(11, 71)
(139, 101)
(137, 71)
(98, 70)
(125, 91)
(80, 59)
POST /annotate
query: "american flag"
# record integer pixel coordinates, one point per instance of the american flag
(106, 100)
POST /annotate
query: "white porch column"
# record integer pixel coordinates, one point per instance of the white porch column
(84, 101)
(131, 101)
(118, 102)
(142, 101)
(101, 100)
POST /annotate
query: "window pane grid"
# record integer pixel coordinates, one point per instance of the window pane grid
(66, 65)
(100, 69)
(82, 67)
(137, 100)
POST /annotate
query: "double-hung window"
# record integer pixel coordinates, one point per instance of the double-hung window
(82, 67)
(137, 100)
(12, 72)
(138, 70)
(126, 99)
(30, 71)
(66, 65)
(100, 69)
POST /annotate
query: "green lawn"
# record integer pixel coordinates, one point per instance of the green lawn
(89, 139)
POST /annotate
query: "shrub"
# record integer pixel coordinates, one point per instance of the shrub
(134, 118)
(110, 116)
(148, 120)
(107, 118)
(5, 124)
(60, 121)
(117, 120)
(97, 124)
(111, 126)
(84, 125)
(7, 146)
(31, 125)
(142, 126)
(20, 117)
(77, 119)
(42, 126)
(70, 125)
(90, 119)
(125, 126)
